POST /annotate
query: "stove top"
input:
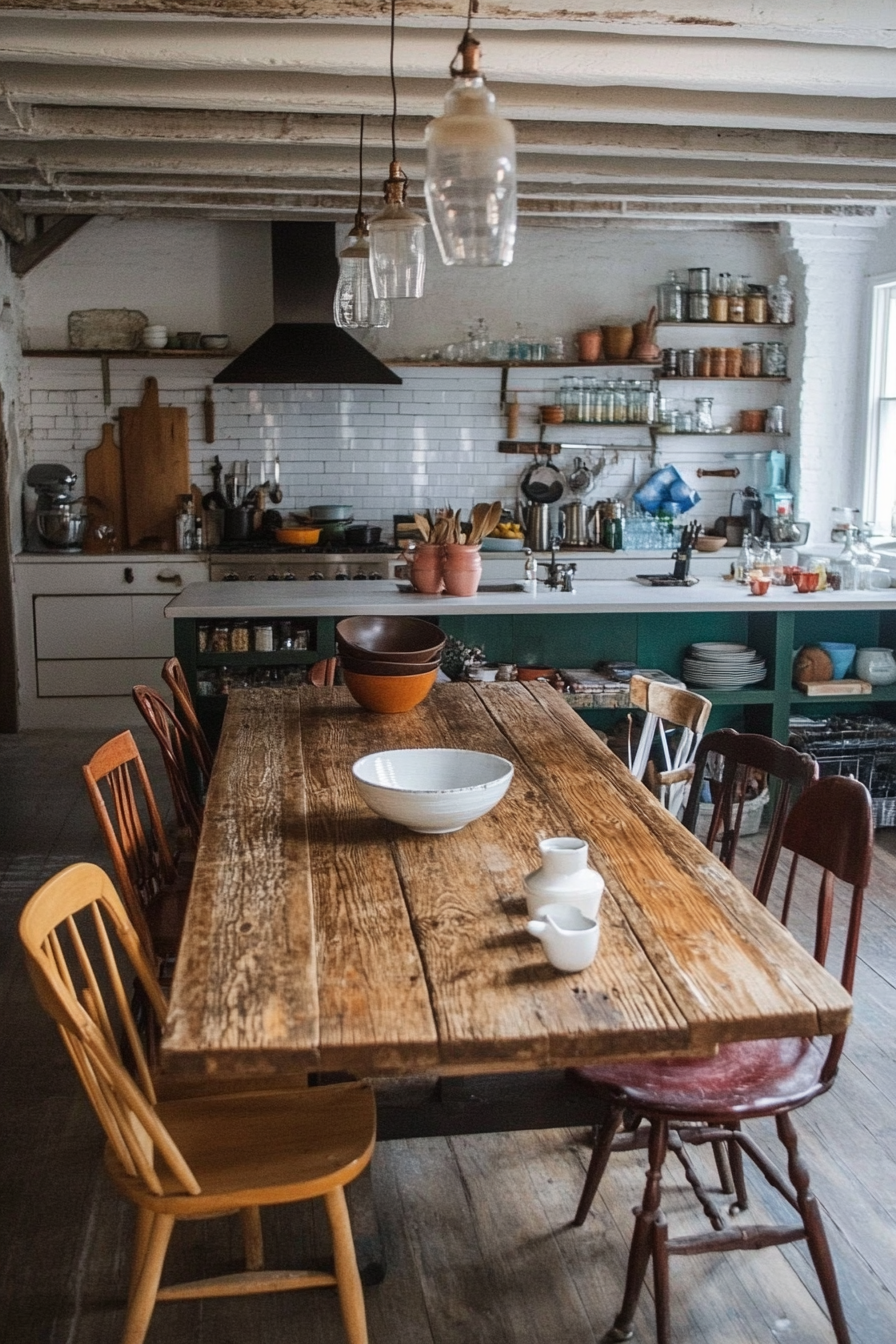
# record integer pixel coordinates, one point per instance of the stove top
(268, 546)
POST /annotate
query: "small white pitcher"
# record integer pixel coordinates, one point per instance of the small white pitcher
(564, 876)
(568, 937)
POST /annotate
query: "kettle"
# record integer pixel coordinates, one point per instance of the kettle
(537, 518)
(574, 523)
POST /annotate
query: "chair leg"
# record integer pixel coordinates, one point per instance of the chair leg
(644, 1242)
(348, 1280)
(736, 1158)
(723, 1166)
(600, 1156)
(143, 1297)
(253, 1240)
(816, 1237)
(661, 1279)
(141, 1241)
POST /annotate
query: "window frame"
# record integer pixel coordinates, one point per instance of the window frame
(880, 329)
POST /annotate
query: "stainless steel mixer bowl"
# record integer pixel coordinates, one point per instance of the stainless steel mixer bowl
(63, 528)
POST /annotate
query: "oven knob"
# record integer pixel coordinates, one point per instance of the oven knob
(290, 576)
(374, 576)
(359, 575)
(273, 577)
(316, 575)
(341, 574)
(230, 578)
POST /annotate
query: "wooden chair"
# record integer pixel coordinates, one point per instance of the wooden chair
(664, 707)
(830, 825)
(194, 1157)
(742, 753)
(175, 679)
(154, 893)
(181, 766)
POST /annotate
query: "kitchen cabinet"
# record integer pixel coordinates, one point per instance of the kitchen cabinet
(88, 629)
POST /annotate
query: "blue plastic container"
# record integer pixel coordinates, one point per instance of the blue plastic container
(841, 655)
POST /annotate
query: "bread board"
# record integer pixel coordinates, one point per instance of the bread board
(104, 488)
(156, 468)
(854, 686)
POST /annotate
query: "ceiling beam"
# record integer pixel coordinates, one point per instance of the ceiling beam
(12, 220)
(25, 256)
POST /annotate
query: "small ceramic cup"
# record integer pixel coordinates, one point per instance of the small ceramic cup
(759, 587)
(568, 937)
(806, 580)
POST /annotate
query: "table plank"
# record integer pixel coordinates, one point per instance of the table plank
(711, 940)
(245, 988)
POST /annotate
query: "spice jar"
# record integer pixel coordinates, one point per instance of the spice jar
(203, 633)
(670, 362)
(717, 362)
(757, 304)
(704, 356)
(220, 639)
(718, 307)
(264, 638)
(737, 301)
(751, 363)
(687, 363)
(733, 361)
(239, 637)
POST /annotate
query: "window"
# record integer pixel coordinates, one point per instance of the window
(880, 450)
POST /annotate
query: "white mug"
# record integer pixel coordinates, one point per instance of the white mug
(568, 937)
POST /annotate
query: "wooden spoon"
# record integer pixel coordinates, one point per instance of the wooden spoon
(478, 515)
(424, 526)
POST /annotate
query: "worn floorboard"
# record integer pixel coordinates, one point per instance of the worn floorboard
(476, 1229)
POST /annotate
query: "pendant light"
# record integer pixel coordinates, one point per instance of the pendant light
(471, 169)
(355, 305)
(397, 235)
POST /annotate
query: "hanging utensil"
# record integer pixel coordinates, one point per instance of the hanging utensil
(276, 493)
(580, 479)
(542, 482)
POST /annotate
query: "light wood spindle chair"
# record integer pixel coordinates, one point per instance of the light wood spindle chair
(154, 893)
(664, 707)
(186, 776)
(831, 826)
(175, 679)
(189, 1157)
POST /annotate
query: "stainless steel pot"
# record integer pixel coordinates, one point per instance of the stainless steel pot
(63, 526)
(538, 527)
(574, 524)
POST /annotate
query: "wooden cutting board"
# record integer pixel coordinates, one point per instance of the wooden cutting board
(104, 487)
(156, 467)
(854, 686)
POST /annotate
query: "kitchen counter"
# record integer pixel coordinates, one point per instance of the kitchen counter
(245, 601)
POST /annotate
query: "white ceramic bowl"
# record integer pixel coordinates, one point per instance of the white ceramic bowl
(432, 789)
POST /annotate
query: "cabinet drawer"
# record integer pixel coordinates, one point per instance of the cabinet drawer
(83, 627)
(96, 676)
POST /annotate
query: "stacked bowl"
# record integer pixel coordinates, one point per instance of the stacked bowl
(389, 663)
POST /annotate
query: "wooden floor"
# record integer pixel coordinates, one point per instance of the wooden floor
(476, 1229)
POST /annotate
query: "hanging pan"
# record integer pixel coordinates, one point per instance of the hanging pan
(542, 482)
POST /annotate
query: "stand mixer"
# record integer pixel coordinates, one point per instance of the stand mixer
(54, 520)
(777, 500)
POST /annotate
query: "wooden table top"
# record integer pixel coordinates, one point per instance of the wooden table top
(320, 936)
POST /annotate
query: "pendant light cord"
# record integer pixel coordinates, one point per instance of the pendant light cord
(361, 167)
(392, 77)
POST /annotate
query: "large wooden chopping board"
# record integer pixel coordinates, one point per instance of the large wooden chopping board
(156, 467)
(104, 488)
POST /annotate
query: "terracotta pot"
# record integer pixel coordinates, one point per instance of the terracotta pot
(462, 569)
(588, 344)
(752, 422)
(618, 342)
(425, 569)
(644, 347)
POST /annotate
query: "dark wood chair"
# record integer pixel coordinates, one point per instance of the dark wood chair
(175, 679)
(831, 826)
(181, 766)
(154, 893)
(741, 754)
(231, 1151)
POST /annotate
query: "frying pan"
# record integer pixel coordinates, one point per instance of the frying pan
(542, 482)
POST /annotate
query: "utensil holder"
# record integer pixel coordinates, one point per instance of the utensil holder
(461, 569)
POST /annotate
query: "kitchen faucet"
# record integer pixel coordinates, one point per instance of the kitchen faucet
(560, 575)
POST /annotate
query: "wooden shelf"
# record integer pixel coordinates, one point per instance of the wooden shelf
(706, 378)
(707, 322)
(131, 354)
(719, 434)
(556, 365)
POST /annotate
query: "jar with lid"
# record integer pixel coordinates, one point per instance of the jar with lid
(718, 299)
(704, 361)
(670, 362)
(220, 639)
(774, 359)
(780, 302)
(264, 637)
(671, 299)
(737, 300)
(203, 636)
(734, 358)
(239, 637)
(751, 363)
(757, 304)
(717, 362)
(703, 415)
(774, 420)
(698, 305)
(687, 363)
(698, 280)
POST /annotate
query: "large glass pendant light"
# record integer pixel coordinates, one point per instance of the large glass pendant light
(397, 235)
(471, 169)
(355, 305)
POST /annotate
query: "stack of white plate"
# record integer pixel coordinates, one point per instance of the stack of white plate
(724, 667)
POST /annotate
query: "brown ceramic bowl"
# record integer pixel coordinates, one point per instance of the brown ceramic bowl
(370, 667)
(389, 695)
(390, 639)
(708, 543)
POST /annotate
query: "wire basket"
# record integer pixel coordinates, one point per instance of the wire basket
(861, 745)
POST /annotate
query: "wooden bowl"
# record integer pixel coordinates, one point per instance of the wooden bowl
(370, 667)
(707, 543)
(389, 695)
(390, 639)
(618, 342)
(298, 536)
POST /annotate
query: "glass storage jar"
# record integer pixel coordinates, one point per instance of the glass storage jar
(220, 639)
(774, 359)
(757, 304)
(698, 305)
(751, 363)
(671, 299)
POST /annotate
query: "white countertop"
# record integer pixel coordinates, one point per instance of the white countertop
(226, 601)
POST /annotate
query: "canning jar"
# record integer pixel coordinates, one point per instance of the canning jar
(698, 280)
(703, 415)
(203, 632)
(698, 305)
(220, 642)
(751, 363)
(704, 359)
(718, 307)
(774, 359)
(717, 362)
(264, 637)
(239, 637)
(687, 363)
(671, 299)
(733, 361)
(670, 362)
(757, 304)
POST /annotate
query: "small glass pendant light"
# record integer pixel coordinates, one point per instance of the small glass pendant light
(355, 305)
(471, 170)
(397, 235)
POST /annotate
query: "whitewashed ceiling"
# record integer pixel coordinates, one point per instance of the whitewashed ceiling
(756, 109)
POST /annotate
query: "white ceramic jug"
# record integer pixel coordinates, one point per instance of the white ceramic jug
(564, 876)
(568, 937)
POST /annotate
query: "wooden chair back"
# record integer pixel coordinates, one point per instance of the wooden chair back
(180, 763)
(742, 753)
(832, 826)
(667, 706)
(175, 679)
(133, 830)
(87, 1000)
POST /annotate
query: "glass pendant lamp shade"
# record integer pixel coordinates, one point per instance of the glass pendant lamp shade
(355, 305)
(397, 244)
(471, 172)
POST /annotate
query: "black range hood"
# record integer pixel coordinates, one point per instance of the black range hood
(304, 345)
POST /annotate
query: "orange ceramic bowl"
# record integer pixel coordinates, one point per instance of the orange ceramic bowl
(298, 536)
(389, 695)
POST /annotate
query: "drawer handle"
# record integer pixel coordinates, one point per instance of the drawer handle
(169, 578)
(128, 574)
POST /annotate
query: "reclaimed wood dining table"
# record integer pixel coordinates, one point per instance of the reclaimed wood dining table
(320, 937)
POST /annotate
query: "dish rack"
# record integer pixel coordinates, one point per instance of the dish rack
(862, 745)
